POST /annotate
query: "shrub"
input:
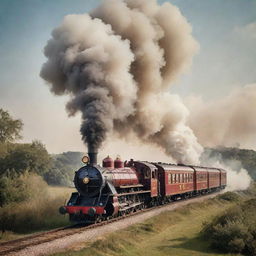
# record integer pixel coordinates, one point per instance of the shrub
(37, 213)
(235, 230)
(230, 196)
(19, 187)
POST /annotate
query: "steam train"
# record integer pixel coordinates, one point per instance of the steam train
(118, 188)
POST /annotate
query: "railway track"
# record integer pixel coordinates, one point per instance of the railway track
(48, 236)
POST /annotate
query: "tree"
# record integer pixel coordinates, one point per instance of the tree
(9, 128)
(32, 157)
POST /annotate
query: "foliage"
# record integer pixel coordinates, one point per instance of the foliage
(63, 168)
(235, 230)
(40, 212)
(9, 128)
(230, 196)
(16, 187)
(32, 157)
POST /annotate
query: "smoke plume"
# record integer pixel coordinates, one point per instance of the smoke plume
(117, 64)
(227, 121)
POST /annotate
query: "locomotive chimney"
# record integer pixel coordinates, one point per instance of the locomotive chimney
(92, 155)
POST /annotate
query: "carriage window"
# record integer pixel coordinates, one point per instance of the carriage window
(173, 179)
(169, 178)
(146, 173)
(153, 174)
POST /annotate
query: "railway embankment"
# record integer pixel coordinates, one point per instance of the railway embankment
(177, 232)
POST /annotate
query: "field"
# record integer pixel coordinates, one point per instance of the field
(41, 213)
(175, 232)
(170, 233)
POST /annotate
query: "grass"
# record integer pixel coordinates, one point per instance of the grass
(38, 214)
(170, 233)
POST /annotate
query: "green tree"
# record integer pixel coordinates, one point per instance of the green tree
(32, 157)
(9, 128)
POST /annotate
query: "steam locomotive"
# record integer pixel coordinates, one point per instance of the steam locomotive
(118, 188)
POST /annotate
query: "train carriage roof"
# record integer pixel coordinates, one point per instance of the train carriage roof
(174, 167)
(149, 165)
(207, 169)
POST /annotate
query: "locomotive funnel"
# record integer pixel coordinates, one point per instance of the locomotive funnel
(93, 157)
(92, 152)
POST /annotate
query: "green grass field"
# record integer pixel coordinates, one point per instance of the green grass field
(170, 233)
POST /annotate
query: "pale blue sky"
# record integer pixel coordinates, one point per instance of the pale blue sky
(227, 58)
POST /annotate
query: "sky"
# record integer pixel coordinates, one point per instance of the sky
(225, 31)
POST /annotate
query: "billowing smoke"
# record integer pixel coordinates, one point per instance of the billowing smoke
(117, 64)
(228, 121)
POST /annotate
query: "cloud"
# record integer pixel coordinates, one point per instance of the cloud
(228, 121)
(247, 32)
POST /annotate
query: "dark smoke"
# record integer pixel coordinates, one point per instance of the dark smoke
(117, 65)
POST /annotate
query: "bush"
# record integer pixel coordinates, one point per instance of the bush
(230, 196)
(40, 213)
(234, 231)
(16, 187)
